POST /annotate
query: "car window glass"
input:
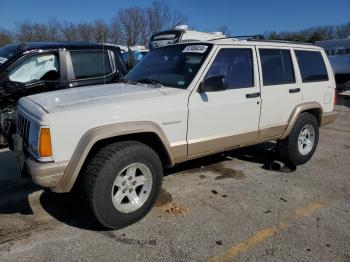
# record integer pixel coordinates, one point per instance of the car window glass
(90, 64)
(173, 66)
(277, 67)
(311, 65)
(37, 67)
(235, 65)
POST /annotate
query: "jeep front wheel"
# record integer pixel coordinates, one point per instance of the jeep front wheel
(121, 182)
(300, 145)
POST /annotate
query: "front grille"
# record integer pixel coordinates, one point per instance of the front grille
(23, 128)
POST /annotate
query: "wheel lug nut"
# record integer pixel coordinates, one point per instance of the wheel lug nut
(130, 190)
(124, 191)
(124, 183)
(134, 183)
(130, 178)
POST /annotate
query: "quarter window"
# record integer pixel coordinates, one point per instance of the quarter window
(90, 64)
(277, 67)
(236, 65)
(311, 65)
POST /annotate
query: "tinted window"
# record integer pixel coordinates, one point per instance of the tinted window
(236, 65)
(90, 64)
(312, 67)
(277, 67)
(37, 67)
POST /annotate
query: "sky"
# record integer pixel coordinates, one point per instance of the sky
(240, 16)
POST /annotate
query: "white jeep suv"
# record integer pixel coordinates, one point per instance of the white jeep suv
(180, 102)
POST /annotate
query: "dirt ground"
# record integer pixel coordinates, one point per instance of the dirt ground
(227, 207)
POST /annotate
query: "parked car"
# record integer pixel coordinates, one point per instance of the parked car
(338, 51)
(179, 34)
(180, 102)
(35, 67)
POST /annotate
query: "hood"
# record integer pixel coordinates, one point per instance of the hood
(80, 97)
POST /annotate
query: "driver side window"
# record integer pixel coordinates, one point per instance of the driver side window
(235, 65)
(37, 67)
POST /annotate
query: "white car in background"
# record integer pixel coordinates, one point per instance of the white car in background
(180, 34)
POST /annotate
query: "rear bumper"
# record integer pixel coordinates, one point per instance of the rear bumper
(327, 118)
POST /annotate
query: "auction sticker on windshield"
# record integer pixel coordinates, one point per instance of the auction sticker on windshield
(201, 49)
(2, 60)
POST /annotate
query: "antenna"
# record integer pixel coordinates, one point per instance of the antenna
(104, 64)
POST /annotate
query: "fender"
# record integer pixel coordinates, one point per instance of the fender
(297, 111)
(100, 133)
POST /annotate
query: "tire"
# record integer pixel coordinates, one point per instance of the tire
(293, 152)
(100, 174)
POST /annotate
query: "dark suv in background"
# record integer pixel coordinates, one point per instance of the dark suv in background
(35, 67)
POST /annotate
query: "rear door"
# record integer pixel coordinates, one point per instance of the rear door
(221, 119)
(280, 91)
(316, 75)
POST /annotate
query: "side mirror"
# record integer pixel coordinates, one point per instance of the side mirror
(212, 84)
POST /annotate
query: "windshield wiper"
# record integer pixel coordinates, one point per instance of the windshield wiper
(150, 81)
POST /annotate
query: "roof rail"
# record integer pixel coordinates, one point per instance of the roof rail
(246, 37)
(280, 41)
(260, 38)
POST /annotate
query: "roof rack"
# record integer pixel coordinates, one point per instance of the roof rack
(280, 41)
(260, 38)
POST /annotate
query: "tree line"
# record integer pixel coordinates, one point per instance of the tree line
(313, 34)
(129, 27)
(135, 25)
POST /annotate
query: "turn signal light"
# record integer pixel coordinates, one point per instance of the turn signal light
(45, 148)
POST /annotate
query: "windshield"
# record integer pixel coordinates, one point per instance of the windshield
(6, 53)
(173, 66)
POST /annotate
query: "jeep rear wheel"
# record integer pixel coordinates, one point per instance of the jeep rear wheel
(300, 145)
(121, 182)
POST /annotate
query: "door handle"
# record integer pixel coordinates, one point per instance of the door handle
(295, 90)
(252, 95)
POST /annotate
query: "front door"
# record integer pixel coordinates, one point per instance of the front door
(222, 119)
(34, 73)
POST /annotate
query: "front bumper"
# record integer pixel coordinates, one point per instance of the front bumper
(327, 118)
(43, 173)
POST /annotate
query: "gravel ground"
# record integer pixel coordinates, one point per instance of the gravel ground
(227, 207)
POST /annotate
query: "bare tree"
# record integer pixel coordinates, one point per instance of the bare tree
(5, 37)
(101, 31)
(115, 34)
(131, 21)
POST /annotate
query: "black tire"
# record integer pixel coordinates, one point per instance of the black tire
(287, 149)
(100, 172)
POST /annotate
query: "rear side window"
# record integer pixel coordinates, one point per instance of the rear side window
(236, 65)
(312, 67)
(90, 64)
(277, 67)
